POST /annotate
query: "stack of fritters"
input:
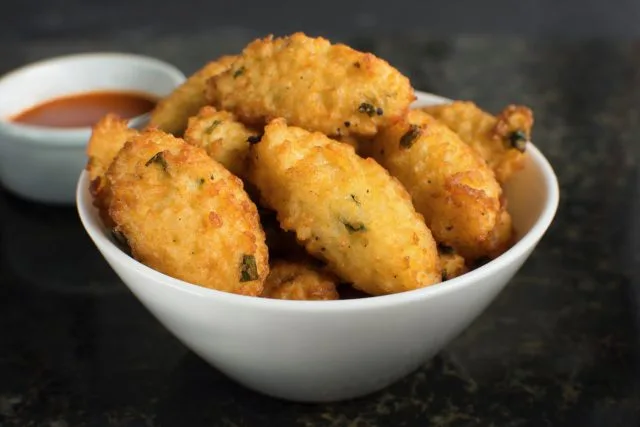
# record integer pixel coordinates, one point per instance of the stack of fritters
(316, 144)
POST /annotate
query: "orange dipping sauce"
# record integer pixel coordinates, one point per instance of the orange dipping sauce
(85, 109)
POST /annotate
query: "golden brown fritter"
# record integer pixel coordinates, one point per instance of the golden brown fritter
(346, 210)
(223, 137)
(299, 280)
(313, 84)
(107, 138)
(502, 236)
(452, 264)
(350, 140)
(173, 111)
(451, 186)
(185, 215)
(501, 140)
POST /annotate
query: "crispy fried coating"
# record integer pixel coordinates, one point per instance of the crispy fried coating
(502, 236)
(223, 137)
(313, 84)
(501, 140)
(452, 264)
(451, 186)
(350, 140)
(107, 138)
(185, 215)
(173, 111)
(346, 210)
(299, 280)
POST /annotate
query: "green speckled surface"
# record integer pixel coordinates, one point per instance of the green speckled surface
(558, 347)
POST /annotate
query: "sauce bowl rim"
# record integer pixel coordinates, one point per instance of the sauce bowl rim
(75, 136)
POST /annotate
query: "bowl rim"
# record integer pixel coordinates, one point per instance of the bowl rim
(95, 229)
(74, 137)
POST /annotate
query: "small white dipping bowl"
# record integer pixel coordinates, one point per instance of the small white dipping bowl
(43, 163)
(319, 351)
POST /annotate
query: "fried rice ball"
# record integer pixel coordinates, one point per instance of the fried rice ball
(299, 280)
(108, 136)
(346, 210)
(313, 84)
(185, 215)
(501, 140)
(172, 112)
(223, 137)
(503, 236)
(451, 186)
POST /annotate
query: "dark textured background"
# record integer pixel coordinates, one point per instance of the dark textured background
(558, 347)
(576, 18)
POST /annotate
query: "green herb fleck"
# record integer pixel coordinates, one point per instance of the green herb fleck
(248, 269)
(367, 109)
(518, 140)
(444, 249)
(409, 138)
(158, 159)
(355, 199)
(240, 71)
(212, 126)
(354, 227)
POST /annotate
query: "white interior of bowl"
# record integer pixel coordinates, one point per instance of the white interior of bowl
(532, 195)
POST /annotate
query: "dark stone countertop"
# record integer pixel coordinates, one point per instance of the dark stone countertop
(558, 347)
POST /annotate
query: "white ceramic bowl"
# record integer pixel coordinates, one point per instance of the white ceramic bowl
(43, 163)
(317, 351)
